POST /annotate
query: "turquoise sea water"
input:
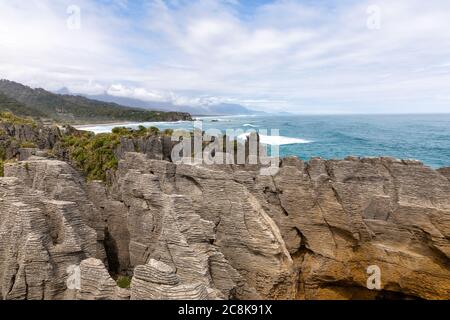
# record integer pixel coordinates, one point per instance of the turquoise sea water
(421, 137)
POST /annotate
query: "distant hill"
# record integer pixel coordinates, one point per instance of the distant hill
(218, 109)
(8, 104)
(40, 103)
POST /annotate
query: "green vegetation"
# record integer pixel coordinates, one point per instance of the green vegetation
(168, 132)
(10, 105)
(140, 132)
(28, 144)
(2, 161)
(124, 282)
(153, 130)
(39, 103)
(8, 117)
(94, 154)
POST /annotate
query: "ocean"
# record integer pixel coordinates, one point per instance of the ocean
(421, 137)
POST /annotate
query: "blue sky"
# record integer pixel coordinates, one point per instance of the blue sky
(290, 55)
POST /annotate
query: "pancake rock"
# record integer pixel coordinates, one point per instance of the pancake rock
(158, 281)
(314, 230)
(40, 238)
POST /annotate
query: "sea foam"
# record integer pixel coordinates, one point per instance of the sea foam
(276, 140)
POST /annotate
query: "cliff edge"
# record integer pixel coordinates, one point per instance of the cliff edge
(315, 230)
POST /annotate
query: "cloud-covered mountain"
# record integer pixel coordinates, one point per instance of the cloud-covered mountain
(212, 109)
(39, 103)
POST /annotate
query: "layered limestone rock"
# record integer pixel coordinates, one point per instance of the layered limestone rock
(204, 224)
(445, 172)
(47, 225)
(12, 136)
(59, 181)
(311, 231)
(45, 137)
(40, 238)
(352, 214)
(97, 284)
(158, 147)
(158, 281)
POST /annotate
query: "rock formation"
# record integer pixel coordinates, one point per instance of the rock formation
(225, 232)
(158, 281)
(40, 238)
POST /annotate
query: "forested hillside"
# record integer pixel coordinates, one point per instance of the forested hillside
(25, 101)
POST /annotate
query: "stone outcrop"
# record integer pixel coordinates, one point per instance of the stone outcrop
(445, 172)
(40, 238)
(226, 232)
(310, 232)
(59, 181)
(45, 137)
(158, 281)
(158, 147)
(97, 284)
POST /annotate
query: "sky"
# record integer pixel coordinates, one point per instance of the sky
(301, 56)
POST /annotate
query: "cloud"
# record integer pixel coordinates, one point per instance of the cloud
(278, 55)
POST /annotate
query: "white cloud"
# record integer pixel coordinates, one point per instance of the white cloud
(283, 55)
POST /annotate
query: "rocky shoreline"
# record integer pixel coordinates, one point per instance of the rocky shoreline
(219, 232)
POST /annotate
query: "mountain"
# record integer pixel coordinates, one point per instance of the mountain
(217, 109)
(8, 104)
(40, 103)
(228, 108)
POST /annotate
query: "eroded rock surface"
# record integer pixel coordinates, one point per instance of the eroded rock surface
(197, 232)
(40, 238)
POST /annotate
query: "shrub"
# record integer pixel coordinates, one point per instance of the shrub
(2, 168)
(93, 154)
(2, 153)
(28, 144)
(8, 117)
(123, 131)
(168, 132)
(124, 282)
(154, 130)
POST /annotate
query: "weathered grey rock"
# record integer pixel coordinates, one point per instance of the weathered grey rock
(39, 239)
(309, 232)
(115, 217)
(45, 137)
(206, 232)
(198, 228)
(445, 172)
(59, 181)
(26, 153)
(158, 281)
(158, 147)
(96, 283)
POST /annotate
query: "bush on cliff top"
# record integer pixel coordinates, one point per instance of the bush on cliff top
(8, 117)
(28, 145)
(94, 154)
